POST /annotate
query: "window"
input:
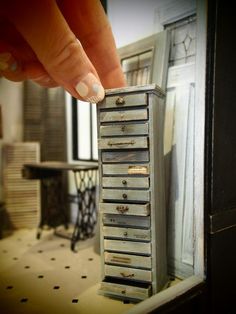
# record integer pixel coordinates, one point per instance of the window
(84, 131)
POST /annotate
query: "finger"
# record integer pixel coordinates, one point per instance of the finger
(56, 47)
(18, 62)
(14, 71)
(89, 23)
(15, 68)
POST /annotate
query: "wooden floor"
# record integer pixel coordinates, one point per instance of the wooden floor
(45, 276)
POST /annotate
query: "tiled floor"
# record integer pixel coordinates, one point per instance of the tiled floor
(45, 276)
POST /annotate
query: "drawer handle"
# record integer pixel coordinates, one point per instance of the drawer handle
(122, 209)
(127, 275)
(124, 182)
(124, 196)
(120, 101)
(110, 143)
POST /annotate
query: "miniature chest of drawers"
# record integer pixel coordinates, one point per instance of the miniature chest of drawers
(131, 196)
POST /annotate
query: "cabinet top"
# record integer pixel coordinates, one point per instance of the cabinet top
(150, 88)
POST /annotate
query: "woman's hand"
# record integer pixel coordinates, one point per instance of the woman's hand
(65, 43)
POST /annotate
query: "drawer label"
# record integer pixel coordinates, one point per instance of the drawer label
(138, 170)
(120, 259)
(127, 259)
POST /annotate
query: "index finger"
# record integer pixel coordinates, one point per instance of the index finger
(56, 46)
(90, 24)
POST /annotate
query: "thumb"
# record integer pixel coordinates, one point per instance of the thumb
(56, 47)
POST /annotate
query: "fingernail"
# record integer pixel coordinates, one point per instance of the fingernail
(7, 62)
(90, 89)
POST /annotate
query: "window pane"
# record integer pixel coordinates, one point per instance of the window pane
(84, 130)
(94, 132)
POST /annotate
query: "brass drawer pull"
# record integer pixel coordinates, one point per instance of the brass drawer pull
(127, 275)
(110, 143)
(125, 234)
(122, 209)
(124, 196)
(120, 101)
(124, 182)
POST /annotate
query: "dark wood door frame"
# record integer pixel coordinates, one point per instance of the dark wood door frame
(220, 159)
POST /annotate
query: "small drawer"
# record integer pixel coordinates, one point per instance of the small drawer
(128, 260)
(122, 288)
(123, 115)
(125, 182)
(123, 143)
(125, 156)
(132, 247)
(128, 273)
(126, 195)
(125, 209)
(124, 129)
(125, 169)
(127, 233)
(124, 101)
(126, 221)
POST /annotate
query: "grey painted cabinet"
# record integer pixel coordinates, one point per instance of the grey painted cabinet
(132, 200)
